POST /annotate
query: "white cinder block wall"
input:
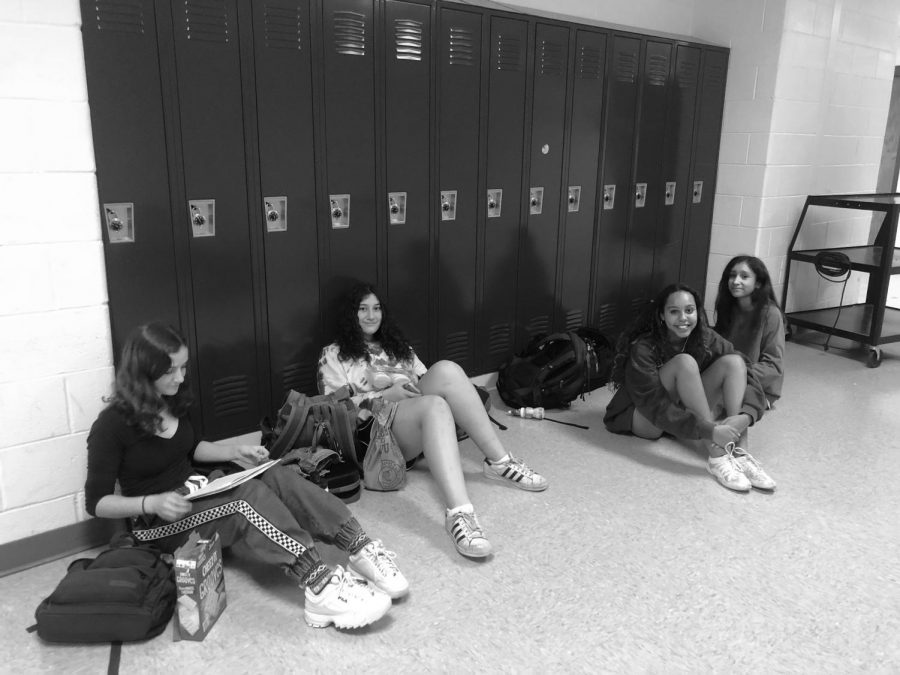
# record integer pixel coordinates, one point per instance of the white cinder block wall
(807, 100)
(55, 354)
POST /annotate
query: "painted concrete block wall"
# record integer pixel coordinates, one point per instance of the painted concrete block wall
(55, 353)
(809, 85)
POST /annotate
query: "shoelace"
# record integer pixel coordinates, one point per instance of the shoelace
(384, 559)
(469, 524)
(749, 459)
(520, 466)
(731, 467)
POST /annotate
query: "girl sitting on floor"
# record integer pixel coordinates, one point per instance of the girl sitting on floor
(373, 357)
(671, 371)
(143, 440)
(748, 316)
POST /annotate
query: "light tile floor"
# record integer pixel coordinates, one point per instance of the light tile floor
(634, 560)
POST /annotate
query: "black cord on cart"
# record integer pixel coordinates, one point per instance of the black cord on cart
(833, 266)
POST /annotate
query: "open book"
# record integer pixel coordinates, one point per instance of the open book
(231, 480)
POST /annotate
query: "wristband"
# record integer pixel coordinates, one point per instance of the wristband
(143, 499)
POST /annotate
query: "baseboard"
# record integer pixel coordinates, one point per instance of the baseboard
(59, 543)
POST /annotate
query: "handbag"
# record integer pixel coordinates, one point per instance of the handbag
(384, 468)
(302, 421)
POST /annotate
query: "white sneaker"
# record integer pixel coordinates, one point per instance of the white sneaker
(468, 537)
(346, 602)
(517, 472)
(376, 564)
(753, 470)
(727, 472)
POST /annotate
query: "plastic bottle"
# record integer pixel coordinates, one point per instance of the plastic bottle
(528, 413)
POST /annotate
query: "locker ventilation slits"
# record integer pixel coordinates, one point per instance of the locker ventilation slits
(230, 395)
(297, 376)
(538, 325)
(626, 67)
(590, 63)
(606, 318)
(657, 70)
(509, 54)
(551, 59)
(456, 346)
(119, 16)
(574, 319)
(461, 51)
(715, 75)
(638, 305)
(206, 21)
(687, 74)
(349, 33)
(283, 29)
(499, 339)
(408, 36)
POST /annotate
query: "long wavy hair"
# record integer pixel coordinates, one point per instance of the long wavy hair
(146, 356)
(760, 299)
(649, 323)
(350, 338)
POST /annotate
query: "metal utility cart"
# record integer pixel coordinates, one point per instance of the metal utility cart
(871, 322)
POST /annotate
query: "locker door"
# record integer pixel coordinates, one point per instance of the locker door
(537, 263)
(208, 63)
(407, 152)
(584, 151)
(698, 220)
(615, 185)
(646, 188)
(505, 156)
(676, 161)
(122, 61)
(286, 212)
(458, 114)
(349, 217)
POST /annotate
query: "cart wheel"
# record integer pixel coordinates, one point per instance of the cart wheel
(874, 357)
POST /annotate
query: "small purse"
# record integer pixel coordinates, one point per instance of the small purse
(384, 468)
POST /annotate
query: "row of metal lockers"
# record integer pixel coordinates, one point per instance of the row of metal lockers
(496, 174)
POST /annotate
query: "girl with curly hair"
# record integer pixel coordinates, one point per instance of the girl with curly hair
(144, 442)
(671, 371)
(748, 316)
(374, 359)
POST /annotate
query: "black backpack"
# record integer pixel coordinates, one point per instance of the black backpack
(126, 593)
(601, 354)
(550, 372)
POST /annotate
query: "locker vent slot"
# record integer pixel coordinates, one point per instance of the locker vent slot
(461, 47)
(349, 33)
(408, 34)
(456, 346)
(606, 318)
(230, 395)
(574, 319)
(283, 27)
(626, 67)
(206, 20)
(499, 339)
(551, 59)
(590, 63)
(657, 70)
(297, 376)
(538, 325)
(509, 53)
(119, 16)
(638, 304)
(687, 74)
(715, 75)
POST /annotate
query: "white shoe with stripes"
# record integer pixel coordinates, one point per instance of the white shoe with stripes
(516, 472)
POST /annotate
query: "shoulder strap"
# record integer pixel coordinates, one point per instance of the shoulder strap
(298, 409)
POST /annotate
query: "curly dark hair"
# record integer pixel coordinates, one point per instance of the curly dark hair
(146, 356)
(649, 323)
(761, 298)
(350, 339)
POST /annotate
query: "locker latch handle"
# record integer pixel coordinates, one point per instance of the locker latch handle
(113, 219)
(271, 213)
(197, 218)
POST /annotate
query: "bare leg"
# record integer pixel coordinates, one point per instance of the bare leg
(425, 423)
(447, 380)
